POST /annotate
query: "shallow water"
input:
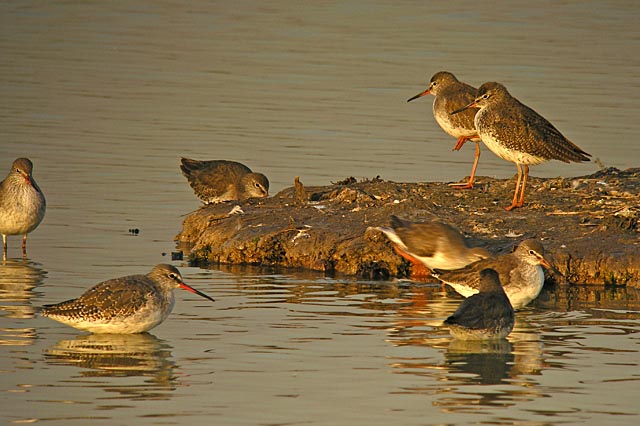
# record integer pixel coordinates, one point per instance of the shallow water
(304, 349)
(105, 97)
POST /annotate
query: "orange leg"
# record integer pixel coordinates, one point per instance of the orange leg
(24, 246)
(462, 140)
(418, 270)
(514, 202)
(524, 184)
(469, 184)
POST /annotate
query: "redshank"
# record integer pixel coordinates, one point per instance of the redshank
(485, 315)
(22, 203)
(432, 244)
(516, 133)
(131, 304)
(216, 181)
(452, 94)
(520, 273)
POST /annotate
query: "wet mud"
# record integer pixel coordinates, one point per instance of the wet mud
(588, 225)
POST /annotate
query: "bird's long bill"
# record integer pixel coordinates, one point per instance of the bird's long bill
(193, 290)
(472, 104)
(419, 95)
(544, 263)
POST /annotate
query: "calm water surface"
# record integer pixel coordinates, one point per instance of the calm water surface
(105, 97)
(303, 349)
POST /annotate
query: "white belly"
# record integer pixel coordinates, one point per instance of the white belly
(508, 154)
(142, 320)
(451, 128)
(23, 214)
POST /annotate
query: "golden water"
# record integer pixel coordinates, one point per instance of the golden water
(105, 97)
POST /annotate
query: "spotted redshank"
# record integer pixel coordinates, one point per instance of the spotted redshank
(216, 181)
(516, 133)
(431, 244)
(22, 203)
(521, 273)
(452, 94)
(485, 315)
(131, 304)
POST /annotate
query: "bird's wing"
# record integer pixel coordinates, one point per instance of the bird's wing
(108, 299)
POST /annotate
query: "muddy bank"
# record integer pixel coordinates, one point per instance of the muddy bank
(589, 225)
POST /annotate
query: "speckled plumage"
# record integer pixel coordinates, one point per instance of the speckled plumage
(520, 273)
(217, 181)
(516, 133)
(505, 123)
(452, 94)
(131, 304)
(22, 203)
(486, 315)
(434, 244)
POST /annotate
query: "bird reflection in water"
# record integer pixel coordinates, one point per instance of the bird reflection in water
(513, 363)
(488, 361)
(17, 280)
(479, 374)
(120, 355)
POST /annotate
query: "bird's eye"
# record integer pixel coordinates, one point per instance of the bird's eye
(173, 276)
(257, 185)
(532, 252)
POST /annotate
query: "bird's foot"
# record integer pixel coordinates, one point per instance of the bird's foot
(513, 206)
(462, 185)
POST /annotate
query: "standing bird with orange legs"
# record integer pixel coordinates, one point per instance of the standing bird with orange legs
(22, 203)
(516, 133)
(452, 94)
